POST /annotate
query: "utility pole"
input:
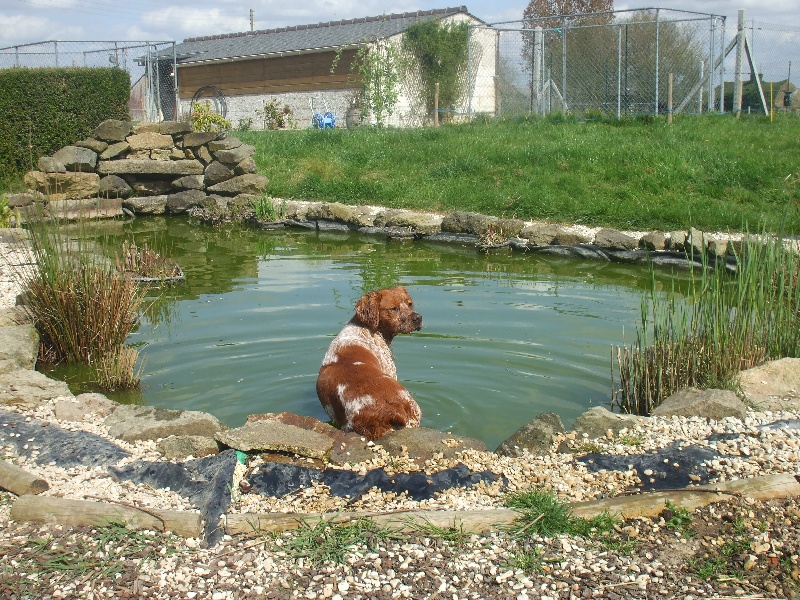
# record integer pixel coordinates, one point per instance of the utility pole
(252, 14)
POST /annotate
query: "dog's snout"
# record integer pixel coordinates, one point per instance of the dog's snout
(416, 319)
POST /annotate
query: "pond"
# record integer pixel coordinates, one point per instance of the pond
(506, 336)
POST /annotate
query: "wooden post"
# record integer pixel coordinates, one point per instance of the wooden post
(18, 481)
(737, 79)
(436, 105)
(669, 99)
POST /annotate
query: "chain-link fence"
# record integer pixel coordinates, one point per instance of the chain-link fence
(151, 66)
(628, 63)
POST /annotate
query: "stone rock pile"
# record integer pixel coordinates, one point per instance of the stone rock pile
(147, 168)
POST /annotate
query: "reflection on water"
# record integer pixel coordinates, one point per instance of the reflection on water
(505, 337)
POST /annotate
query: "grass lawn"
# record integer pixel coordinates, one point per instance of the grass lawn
(714, 173)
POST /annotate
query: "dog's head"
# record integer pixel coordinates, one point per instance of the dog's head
(389, 311)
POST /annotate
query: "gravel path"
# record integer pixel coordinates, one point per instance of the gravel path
(739, 548)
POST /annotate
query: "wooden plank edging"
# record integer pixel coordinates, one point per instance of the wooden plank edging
(480, 521)
(20, 482)
(76, 513)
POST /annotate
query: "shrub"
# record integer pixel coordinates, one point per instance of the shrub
(46, 109)
(205, 119)
(275, 116)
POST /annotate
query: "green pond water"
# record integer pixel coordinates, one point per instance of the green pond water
(506, 336)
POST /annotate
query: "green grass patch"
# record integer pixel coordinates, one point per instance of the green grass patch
(714, 173)
(325, 540)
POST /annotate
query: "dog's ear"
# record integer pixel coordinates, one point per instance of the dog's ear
(368, 310)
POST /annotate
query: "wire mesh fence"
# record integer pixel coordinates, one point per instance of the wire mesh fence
(626, 63)
(150, 65)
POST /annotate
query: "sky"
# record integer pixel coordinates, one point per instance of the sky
(27, 21)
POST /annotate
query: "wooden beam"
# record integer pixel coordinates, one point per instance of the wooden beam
(19, 481)
(480, 521)
(77, 513)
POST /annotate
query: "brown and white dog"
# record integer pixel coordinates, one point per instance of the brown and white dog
(357, 384)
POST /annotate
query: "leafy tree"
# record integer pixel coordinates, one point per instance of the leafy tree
(539, 9)
(376, 66)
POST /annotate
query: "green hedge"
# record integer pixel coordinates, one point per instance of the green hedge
(43, 110)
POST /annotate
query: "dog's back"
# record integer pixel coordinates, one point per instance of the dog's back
(357, 384)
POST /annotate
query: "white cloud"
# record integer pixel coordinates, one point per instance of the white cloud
(23, 29)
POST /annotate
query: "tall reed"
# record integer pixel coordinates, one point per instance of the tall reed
(724, 324)
(83, 308)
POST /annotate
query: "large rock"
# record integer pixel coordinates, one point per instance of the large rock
(233, 156)
(63, 186)
(131, 423)
(241, 184)
(83, 407)
(149, 140)
(115, 150)
(150, 167)
(544, 234)
(358, 216)
(275, 436)
(228, 143)
(114, 186)
(185, 446)
(93, 144)
(147, 205)
(19, 344)
(467, 222)
(48, 164)
(13, 316)
(423, 444)
(189, 182)
(112, 130)
(597, 421)
(175, 127)
(247, 166)
(710, 404)
(655, 240)
(76, 158)
(772, 386)
(216, 172)
(611, 239)
(181, 202)
(423, 223)
(193, 140)
(28, 389)
(85, 208)
(536, 437)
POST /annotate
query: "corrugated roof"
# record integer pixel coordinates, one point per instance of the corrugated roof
(299, 38)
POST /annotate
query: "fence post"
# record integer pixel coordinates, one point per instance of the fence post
(737, 80)
(619, 72)
(658, 29)
(669, 100)
(536, 73)
(436, 105)
(700, 91)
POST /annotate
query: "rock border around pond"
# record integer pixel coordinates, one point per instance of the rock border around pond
(166, 168)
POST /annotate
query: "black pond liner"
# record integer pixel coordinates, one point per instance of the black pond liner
(278, 479)
(205, 481)
(670, 467)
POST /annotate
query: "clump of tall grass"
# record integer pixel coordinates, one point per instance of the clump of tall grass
(724, 324)
(82, 307)
(117, 370)
(145, 263)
